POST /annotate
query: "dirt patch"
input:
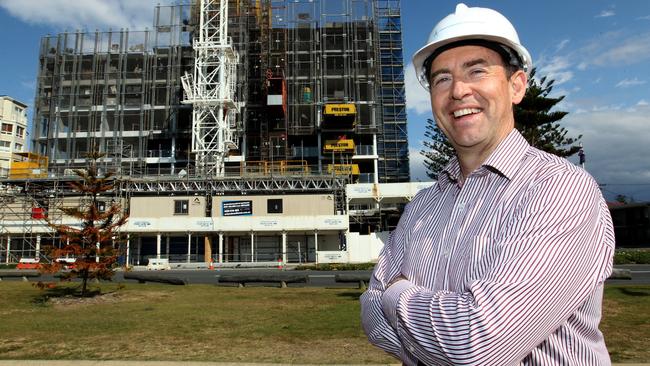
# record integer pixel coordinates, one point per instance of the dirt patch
(107, 298)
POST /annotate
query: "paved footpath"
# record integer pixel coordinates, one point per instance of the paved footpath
(178, 363)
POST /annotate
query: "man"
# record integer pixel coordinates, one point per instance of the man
(502, 262)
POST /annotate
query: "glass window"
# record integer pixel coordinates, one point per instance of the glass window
(5, 145)
(274, 206)
(19, 147)
(20, 131)
(181, 207)
(7, 128)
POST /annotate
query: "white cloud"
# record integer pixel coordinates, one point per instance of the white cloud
(557, 68)
(605, 14)
(616, 145)
(614, 49)
(30, 85)
(416, 164)
(626, 83)
(417, 99)
(647, 17)
(606, 108)
(86, 14)
(561, 45)
(642, 103)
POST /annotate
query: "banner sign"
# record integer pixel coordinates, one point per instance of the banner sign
(236, 208)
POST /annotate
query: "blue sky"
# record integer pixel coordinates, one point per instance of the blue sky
(597, 51)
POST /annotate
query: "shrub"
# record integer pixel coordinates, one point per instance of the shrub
(632, 256)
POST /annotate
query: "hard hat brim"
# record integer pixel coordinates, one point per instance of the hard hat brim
(423, 53)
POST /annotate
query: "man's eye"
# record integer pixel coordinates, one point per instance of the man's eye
(439, 80)
(476, 72)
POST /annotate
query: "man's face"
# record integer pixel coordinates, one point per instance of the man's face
(472, 97)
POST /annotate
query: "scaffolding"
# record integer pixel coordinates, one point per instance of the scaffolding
(393, 141)
(25, 208)
(116, 92)
(120, 92)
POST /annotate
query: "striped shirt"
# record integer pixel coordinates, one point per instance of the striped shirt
(507, 269)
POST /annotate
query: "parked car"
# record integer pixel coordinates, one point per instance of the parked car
(68, 263)
(156, 264)
(28, 263)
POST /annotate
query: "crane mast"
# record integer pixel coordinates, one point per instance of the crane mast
(211, 89)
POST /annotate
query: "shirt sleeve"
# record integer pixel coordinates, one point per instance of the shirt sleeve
(554, 251)
(375, 324)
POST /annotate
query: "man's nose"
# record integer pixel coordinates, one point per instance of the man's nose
(459, 89)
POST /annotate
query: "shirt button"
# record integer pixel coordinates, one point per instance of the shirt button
(411, 349)
(461, 206)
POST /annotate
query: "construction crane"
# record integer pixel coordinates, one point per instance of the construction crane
(211, 89)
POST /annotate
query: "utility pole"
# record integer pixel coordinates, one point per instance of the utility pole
(581, 154)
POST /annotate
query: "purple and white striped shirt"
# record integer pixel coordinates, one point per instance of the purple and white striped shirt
(506, 270)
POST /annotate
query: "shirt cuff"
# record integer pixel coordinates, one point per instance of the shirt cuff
(390, 300)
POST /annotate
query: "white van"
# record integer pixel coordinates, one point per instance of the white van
(158, 264)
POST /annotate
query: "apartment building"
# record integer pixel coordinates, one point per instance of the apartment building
(13, 132)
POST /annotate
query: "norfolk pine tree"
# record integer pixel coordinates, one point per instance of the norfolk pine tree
(533, 119)
(538, 125)
(96, 245)
(438, 149)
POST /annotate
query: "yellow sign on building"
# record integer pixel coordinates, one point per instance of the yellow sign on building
(340, 110)
(343, 169)
(341, 145)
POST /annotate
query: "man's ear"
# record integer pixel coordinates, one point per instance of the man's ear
(518, 84)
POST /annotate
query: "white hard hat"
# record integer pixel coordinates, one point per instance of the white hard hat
(471, 24)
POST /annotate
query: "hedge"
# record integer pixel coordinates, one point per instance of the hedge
(632, 256)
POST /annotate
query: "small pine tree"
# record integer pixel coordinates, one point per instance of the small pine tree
(439, 150)
(536, 122)
(96, 245)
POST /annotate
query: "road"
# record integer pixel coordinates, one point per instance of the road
(640, 276)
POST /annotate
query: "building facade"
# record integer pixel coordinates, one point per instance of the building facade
(197, 222)
(13, 135)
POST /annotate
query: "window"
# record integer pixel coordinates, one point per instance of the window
(7, 128)
(5, 145)
(19, 147)
(20, 131)
(101, 206)
(274, 206)
(181, 207)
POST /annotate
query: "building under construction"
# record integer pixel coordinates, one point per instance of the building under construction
(291, 113)
(317, 87)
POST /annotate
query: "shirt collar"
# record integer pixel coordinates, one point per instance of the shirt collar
(505, 159)
(450, 174)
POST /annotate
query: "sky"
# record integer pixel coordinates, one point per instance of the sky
(597, 51)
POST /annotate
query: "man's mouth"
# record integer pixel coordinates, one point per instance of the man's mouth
(465, 111)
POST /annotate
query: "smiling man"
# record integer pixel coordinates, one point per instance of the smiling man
(503, 260)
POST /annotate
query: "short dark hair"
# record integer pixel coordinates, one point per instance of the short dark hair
(511, 60)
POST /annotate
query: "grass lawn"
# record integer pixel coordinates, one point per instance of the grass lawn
(209, 323)
(626, 323)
